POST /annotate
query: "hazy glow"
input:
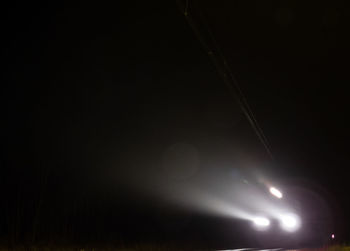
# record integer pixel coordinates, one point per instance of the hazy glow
(275, 192)
(333, 236)
(290, 222)
(261, 221)
(227, 196)
(208, 203)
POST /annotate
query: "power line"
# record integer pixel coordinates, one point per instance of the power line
(225, 72)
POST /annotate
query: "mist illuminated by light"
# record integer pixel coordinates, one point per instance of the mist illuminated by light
(224, 196)
(242, 201)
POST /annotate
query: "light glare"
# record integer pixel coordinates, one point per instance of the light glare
(290, 222)
(261, 221)
(275, 192)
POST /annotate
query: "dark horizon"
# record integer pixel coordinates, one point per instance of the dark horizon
(112, 110)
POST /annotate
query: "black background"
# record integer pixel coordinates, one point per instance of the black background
(94, 92)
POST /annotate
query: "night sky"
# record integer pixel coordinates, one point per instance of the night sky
(97, 95)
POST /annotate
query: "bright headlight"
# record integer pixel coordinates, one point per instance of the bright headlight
(261, 222)
(290, 222)
(275, 192)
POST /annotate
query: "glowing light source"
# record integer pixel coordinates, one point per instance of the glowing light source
(333, 236)
(261, 221)
(275, 192)
(290, 222)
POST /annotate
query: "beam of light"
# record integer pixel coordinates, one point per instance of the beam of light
(237, 200)
(261, 221)
(290, 222)
(275, 192)
(211, 204)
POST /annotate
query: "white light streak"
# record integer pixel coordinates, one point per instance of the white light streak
(275, 192)
(261, 221)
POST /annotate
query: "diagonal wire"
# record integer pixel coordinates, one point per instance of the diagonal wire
(225, 72)
(240, 94)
